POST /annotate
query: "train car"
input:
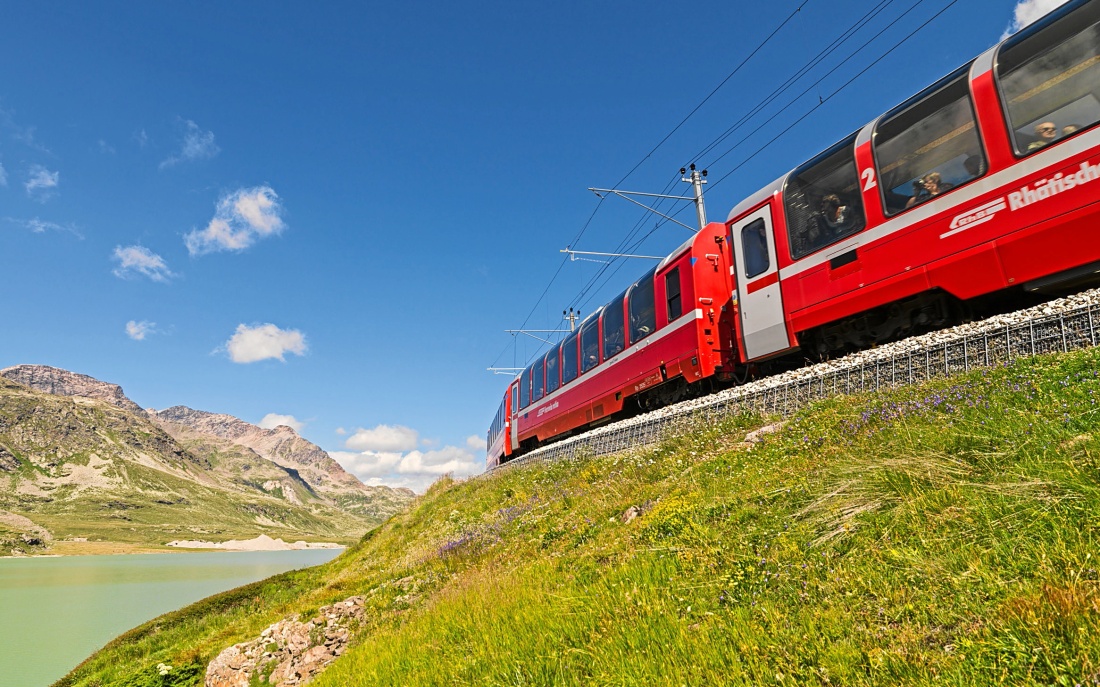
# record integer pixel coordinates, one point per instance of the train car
(980, 185)
(651, 345)
(982, 182)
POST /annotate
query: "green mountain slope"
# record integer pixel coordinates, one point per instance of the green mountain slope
(944, 534)
(82, 474)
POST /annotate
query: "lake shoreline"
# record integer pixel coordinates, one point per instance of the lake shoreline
(262, 543)
(82, 603)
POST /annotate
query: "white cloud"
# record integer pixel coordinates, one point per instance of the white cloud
(27, 138)
(475, 442)
(341, 431)
(138, 260)
(1030, 11)
(23, 134)
(273, 420)
(449, 459)
(251, 344)
(197, 145)
(368, 464)
(414, 469)
(105, 147)
(383, 438)
(139, 330)
(3, 176)
(41, 183)
(241, 218)
(141, 138)
(39, 226)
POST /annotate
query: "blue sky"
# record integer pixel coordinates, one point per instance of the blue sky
(329, 213)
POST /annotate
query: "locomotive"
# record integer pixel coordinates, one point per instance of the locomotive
(984, 185)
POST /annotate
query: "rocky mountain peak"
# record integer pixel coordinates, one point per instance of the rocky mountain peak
(52, 380)
(217, 424)
(281, 445)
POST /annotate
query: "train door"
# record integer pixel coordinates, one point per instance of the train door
(511, 442)
(760, 304)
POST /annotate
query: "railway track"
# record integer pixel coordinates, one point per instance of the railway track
(1065, 324)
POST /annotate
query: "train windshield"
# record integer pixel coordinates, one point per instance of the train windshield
(1050, 79)
(823, 200)
(553, 381)
(672, 294)
(536, 381)
(614, 339)
(590, 342)
(929, 147)
(569, 359)
(525, 388)
(643, 314)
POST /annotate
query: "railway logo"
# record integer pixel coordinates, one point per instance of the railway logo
(1032, 193)
(975, 216)
(548, 408)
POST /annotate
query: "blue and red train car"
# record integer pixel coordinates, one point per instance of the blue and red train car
(987, 182)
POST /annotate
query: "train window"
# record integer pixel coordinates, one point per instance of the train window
(515, 399)
(823, 200)
(553, 380)
(569, 359)
(614, 337)
(754, 246)
(1049, 76)
(537, 381)
(525, 388)
(590, 343)
(928, 147)
(643, 315)
(672, 294)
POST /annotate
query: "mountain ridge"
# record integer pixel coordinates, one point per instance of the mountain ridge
(72, 444)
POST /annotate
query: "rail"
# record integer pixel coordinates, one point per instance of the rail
(887, 367)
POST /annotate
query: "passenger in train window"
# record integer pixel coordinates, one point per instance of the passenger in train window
(834, 214)
(591, 354)
(933, 185)
(1047, 132)
(975, 166)
(919, 193)
(1069, 129)
(643, 323)
(616, 343)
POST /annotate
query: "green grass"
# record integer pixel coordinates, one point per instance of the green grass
(945, 533)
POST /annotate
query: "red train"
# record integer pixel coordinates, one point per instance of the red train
(987, 182)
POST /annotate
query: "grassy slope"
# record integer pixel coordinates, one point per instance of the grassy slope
(941, 533)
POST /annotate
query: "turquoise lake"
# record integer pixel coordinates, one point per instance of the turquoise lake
(55, 612)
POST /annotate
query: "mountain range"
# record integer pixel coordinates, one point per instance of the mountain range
(83, 468)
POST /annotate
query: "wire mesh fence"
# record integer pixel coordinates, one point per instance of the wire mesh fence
(1062, 332)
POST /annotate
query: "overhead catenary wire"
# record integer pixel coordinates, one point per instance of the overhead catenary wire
(805, 69)
(595, 210)
(626, 245)
(695, 109)
(824, 99)
(802, 71)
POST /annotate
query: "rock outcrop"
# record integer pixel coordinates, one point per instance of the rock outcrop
(53, 380)
(289, 652)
